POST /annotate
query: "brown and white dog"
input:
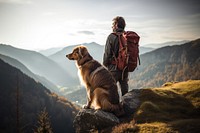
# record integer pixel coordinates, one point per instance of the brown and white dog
(100, 86)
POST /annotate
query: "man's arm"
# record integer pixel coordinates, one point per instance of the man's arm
(107, 52)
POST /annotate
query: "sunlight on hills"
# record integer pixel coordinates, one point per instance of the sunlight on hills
(174, 107)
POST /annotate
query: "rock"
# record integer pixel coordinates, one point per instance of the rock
(131, 101)
(88, 120)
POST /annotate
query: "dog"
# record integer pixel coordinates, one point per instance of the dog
(100, 85)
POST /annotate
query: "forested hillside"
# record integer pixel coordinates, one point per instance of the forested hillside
(25, 70)
(22, 98)
(171, 63)
(39, 64)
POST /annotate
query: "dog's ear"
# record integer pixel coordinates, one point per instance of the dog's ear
(83, 51)
(79, 52)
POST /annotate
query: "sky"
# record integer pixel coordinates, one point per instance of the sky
(43, 24)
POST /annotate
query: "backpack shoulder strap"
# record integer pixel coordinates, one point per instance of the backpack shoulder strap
(121, 38)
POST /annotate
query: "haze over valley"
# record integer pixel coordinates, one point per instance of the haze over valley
(57, 73)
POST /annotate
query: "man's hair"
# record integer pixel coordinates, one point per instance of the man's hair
(120, 22)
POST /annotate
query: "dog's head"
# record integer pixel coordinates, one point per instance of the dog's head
(78, 53)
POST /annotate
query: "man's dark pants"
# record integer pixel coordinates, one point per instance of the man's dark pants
(122, 78)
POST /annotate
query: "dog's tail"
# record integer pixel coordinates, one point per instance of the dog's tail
(101, 97)
(118, 110)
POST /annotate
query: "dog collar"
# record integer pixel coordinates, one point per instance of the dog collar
(80, 66)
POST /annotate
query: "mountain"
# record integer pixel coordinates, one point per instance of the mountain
(170, 63)
(25, 70)
(143, 50)
(50, 51)
(94, 49)
(39, 64)
(22, 98)
(171, 43)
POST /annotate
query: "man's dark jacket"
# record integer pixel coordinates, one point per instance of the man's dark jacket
(112, 45)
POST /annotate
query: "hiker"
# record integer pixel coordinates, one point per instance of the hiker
(121, 54)
(112, 47)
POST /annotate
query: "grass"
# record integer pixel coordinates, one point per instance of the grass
(172, 108)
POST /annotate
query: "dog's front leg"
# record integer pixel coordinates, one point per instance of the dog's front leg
(89, 99)
(87, 106)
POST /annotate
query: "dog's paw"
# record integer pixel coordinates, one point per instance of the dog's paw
(86, 106)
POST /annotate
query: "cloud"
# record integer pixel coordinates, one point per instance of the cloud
(16, 1)
(86, 32)
(48, 13)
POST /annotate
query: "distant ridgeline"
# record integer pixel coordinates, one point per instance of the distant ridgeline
(39, 65)
(22, 99)
(170, 63)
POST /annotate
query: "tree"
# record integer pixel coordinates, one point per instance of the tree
(44, 124)
(17, 104)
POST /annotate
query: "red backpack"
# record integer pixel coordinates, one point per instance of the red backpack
(128, 54)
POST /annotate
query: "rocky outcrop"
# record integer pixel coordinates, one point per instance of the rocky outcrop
(131, 101)
(88, 120)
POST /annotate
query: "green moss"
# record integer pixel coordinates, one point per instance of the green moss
(172, 108)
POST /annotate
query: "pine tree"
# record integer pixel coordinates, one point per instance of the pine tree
(17, 105)
(44, 124)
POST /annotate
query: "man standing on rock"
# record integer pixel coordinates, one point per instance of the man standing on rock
(111, 51)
